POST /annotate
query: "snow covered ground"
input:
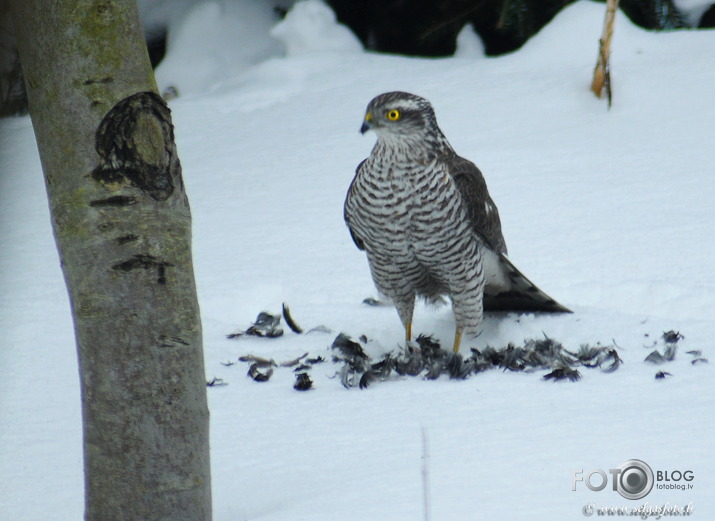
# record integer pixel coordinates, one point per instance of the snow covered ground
(609, 211)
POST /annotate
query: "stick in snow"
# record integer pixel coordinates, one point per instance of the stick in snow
(602, 73)
(425, 475)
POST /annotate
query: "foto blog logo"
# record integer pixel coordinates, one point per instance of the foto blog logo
(632, 479)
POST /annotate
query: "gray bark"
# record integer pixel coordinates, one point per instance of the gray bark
(13, 99)
(123, 228)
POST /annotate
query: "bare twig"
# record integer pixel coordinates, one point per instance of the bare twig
(602, 73)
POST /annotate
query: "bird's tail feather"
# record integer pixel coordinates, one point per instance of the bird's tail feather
(520, 294)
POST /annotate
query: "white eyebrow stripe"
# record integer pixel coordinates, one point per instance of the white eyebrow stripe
(407, 105)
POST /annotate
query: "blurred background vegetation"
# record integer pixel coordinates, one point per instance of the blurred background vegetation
(430, 27)
(410, 27)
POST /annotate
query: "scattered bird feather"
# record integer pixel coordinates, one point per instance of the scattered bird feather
(320, 329)
(655, 358)
(563, 373)
(289, 320)
(671, 348)
(425, 357)
(266, 325)
(260, 372)
(375, 302)
(350, 351)
(302, 382)
(610, 361)
(294, 362)
(257, 360)
(672, 337)
(378, 371)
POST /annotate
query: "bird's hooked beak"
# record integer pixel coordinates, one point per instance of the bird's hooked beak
(367, 123)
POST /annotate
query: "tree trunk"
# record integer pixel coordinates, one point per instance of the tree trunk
(12, 86)
(123, 228)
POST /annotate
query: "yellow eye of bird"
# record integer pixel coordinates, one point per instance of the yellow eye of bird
(393, 115)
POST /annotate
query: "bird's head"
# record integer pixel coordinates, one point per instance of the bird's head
(400, 116)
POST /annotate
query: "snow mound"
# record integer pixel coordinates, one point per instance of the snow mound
(693, 10)
(312, 26)
(576, 32)
(469, 44)
(216, 40)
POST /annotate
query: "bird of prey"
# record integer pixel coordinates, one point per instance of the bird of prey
(425, 219)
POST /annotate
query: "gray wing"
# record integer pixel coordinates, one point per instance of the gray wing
(356, 238)
(507, 289)
(482, 211)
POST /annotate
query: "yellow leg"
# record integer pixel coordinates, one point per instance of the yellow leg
(457, 340)
(408, 331)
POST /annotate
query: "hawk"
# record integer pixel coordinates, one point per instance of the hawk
(425, 219)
